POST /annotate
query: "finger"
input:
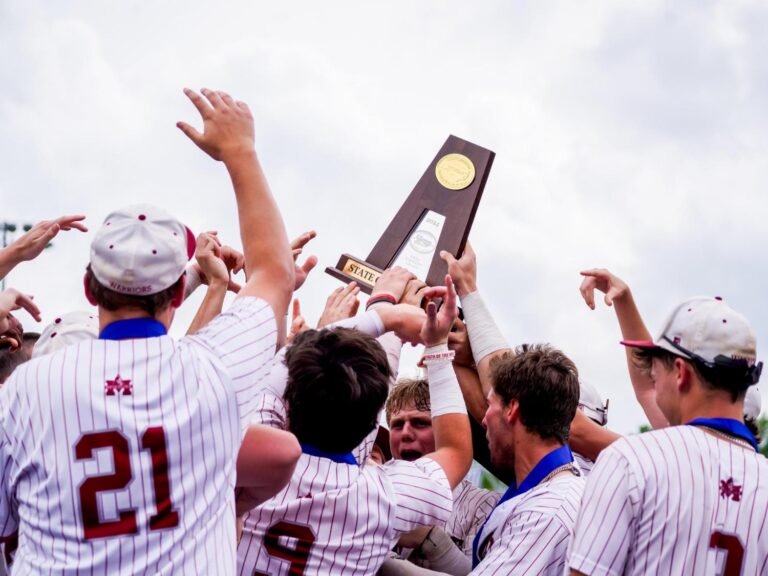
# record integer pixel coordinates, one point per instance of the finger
(27, 304)
(610, 295)
(331, 300)
(355, 306)
(226, 98)
(431, 312)
(296, 308)
(213, 97)
(433, 292)
(587, 290)
(447, 257)
(296, 252)
(242, 105)
(69, 222)
(450, 295)
(302, 240)
(202, 106)
(233, 286)
(309, 264)
(344, 292)
(190, 132)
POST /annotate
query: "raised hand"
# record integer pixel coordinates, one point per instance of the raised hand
(340, 305)
(458, 341)
(297, 245)
(601, 279)
(414, 292)
(437, 325)
(30, 245)
(463, 271)
(393, 282)
(10, 328)
(215, 262)
(227, 124)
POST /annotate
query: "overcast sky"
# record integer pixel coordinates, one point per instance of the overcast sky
(631, 135)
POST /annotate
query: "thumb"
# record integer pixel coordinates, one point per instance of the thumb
(191, 133)
(447, 257)
(296, 308)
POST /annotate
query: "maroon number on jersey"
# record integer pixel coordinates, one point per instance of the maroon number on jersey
(734, 551)
(297, 555)
(153, 440)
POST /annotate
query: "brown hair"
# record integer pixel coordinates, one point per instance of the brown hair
(338, 381)
(545, 383)
(408, 391)
(111, 300)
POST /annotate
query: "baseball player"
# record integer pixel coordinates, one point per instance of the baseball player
(119, 455)
(338, 516)
(410, 438)
(689, 498)
(530, 408)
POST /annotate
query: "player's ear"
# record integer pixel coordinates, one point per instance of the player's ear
(512, 412)
(178, 294)
(683, 374)
(87, 289)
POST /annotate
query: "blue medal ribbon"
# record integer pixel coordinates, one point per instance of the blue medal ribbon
(727, 426)
(347, 458)
(552, 461)
(133, 328)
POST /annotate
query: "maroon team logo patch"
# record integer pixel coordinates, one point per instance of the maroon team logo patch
(119, 386)
(730, 490)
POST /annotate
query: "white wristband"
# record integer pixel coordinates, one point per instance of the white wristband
(444, 391)
(484, 335)
(369, 322)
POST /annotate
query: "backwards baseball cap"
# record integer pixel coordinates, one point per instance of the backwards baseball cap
(141, 250)
(591, 404)
(67, 329)
(712, 334)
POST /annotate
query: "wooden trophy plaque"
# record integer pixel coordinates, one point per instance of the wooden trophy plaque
(436, 216)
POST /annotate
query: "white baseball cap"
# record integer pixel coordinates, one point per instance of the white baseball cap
(591, 403)
(709, 332)
(141, 250)
(753, 403)
(65, 330)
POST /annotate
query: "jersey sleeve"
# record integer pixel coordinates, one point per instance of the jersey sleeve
(531, 542)
(605, 527)
(470, 513)
(244, 338)
(8, 516)
(422, 493)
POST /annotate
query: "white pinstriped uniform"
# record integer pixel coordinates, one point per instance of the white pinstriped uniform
(471, 506)
(190, 403)
(530, 532)
(335, 518)
(654, 500)
(585, 464)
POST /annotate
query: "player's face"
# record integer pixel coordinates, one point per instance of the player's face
(497, 433)
(410, 434)
(665, 383)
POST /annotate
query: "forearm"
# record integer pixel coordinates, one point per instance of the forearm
(472, 390)
(8, 260)
(484, 336)
(212, 304)
(633, 328)
(450, 424)
(268, 257)
(588, 438)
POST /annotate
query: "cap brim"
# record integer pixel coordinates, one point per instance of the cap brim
(646, 344)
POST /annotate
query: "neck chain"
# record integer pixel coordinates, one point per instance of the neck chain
(569, 466)
(728, 437)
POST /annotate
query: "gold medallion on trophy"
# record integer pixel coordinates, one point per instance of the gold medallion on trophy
(455, 171)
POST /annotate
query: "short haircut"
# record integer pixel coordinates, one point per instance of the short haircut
(111, 300)
(408, 391)
(545, 383)
(11, 359)
(337, 384)
(718, 378)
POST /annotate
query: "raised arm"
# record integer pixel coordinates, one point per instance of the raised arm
(450, 424)
(228, 136)
(484, 335)
(209, 257)
(618, 295)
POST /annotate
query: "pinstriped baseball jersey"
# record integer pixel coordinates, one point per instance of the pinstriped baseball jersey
(585, 464)
(471, 506)
(336, 518)
(674, 501)
(119, 455)
(529, 533)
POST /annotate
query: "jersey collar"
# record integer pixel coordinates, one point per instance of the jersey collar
(347, 458)
(728, 426)
(133, 328)
(558, 457)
